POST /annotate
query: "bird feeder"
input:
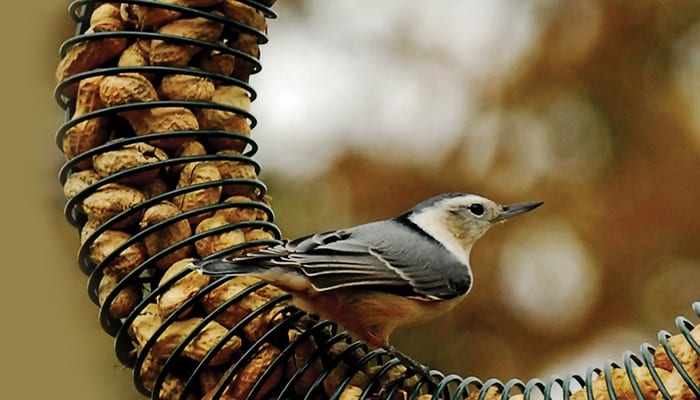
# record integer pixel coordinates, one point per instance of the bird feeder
(160, 170)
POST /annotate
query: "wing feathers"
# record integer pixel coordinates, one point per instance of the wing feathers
(359, 258)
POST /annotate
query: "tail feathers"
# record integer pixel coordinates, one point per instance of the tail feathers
(223, 267)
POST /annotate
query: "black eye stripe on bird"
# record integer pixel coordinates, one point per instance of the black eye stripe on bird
(375, 277)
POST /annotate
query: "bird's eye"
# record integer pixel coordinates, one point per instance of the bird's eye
(476, 209)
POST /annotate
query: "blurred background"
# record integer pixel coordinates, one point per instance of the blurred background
(366, 108)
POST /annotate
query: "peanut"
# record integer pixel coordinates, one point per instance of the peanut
(89, 96)
(129, 156)
(216, 242)
(244, 13)
(136, 55)
(246, 43)
(181, 290)
(257, 234)
(147, 18)
(351, 393)
(112, 199)
(186, 87)
(127, 87)
(215, 119)
(155, 187)
(166, 236)
(676, 386)
(150, 369)
(173, 388)
(107, 243)
(249, 375)
(200, 345)
(242, 213)
(83, 137)
(193, 148)
(163, 120)
(683, 351)
(492, 393)
(171, 53)
(236, 124)
(124, 302)
(210, 118)
(90, 53)
(215, 61)
(88, 229)
(231, 169)
(79, 181)
(235, 312)
(196, 173)
(303, 353)
(339, 374)
(145, 325)
(106, 14)
(89, 133)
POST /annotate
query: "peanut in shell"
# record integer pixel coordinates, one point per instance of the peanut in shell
(166, 236)
(219, 241)
(176, 53)
(126, 261)
(112, 199)
(130, 156)
(196, 173)
(125, 300)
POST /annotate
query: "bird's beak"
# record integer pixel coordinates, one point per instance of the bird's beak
(516, 209)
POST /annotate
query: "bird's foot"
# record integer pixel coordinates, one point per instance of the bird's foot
(281, 314)
(412, 366)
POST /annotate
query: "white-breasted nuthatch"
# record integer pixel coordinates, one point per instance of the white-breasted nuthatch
(375, 277)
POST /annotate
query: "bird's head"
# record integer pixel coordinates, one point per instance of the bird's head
(457, 220)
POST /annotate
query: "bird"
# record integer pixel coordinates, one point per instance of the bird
(378, 276)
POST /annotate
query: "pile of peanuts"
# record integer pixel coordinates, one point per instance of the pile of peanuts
(117, 210)
(141, 246)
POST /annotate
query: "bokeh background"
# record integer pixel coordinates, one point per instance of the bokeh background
(368, 107)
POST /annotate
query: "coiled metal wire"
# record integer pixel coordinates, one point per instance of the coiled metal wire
(320, 360)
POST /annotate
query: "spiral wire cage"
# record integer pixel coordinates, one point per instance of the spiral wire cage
(318, 360)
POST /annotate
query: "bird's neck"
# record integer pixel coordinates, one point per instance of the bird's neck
(460, 246)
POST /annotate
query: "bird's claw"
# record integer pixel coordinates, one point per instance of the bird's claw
(412, 368)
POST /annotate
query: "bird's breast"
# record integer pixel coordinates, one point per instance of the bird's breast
(371, 315)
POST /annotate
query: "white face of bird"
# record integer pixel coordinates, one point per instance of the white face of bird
(465, 217)
(458, 221)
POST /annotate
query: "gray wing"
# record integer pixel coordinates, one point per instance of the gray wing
(365, 257)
